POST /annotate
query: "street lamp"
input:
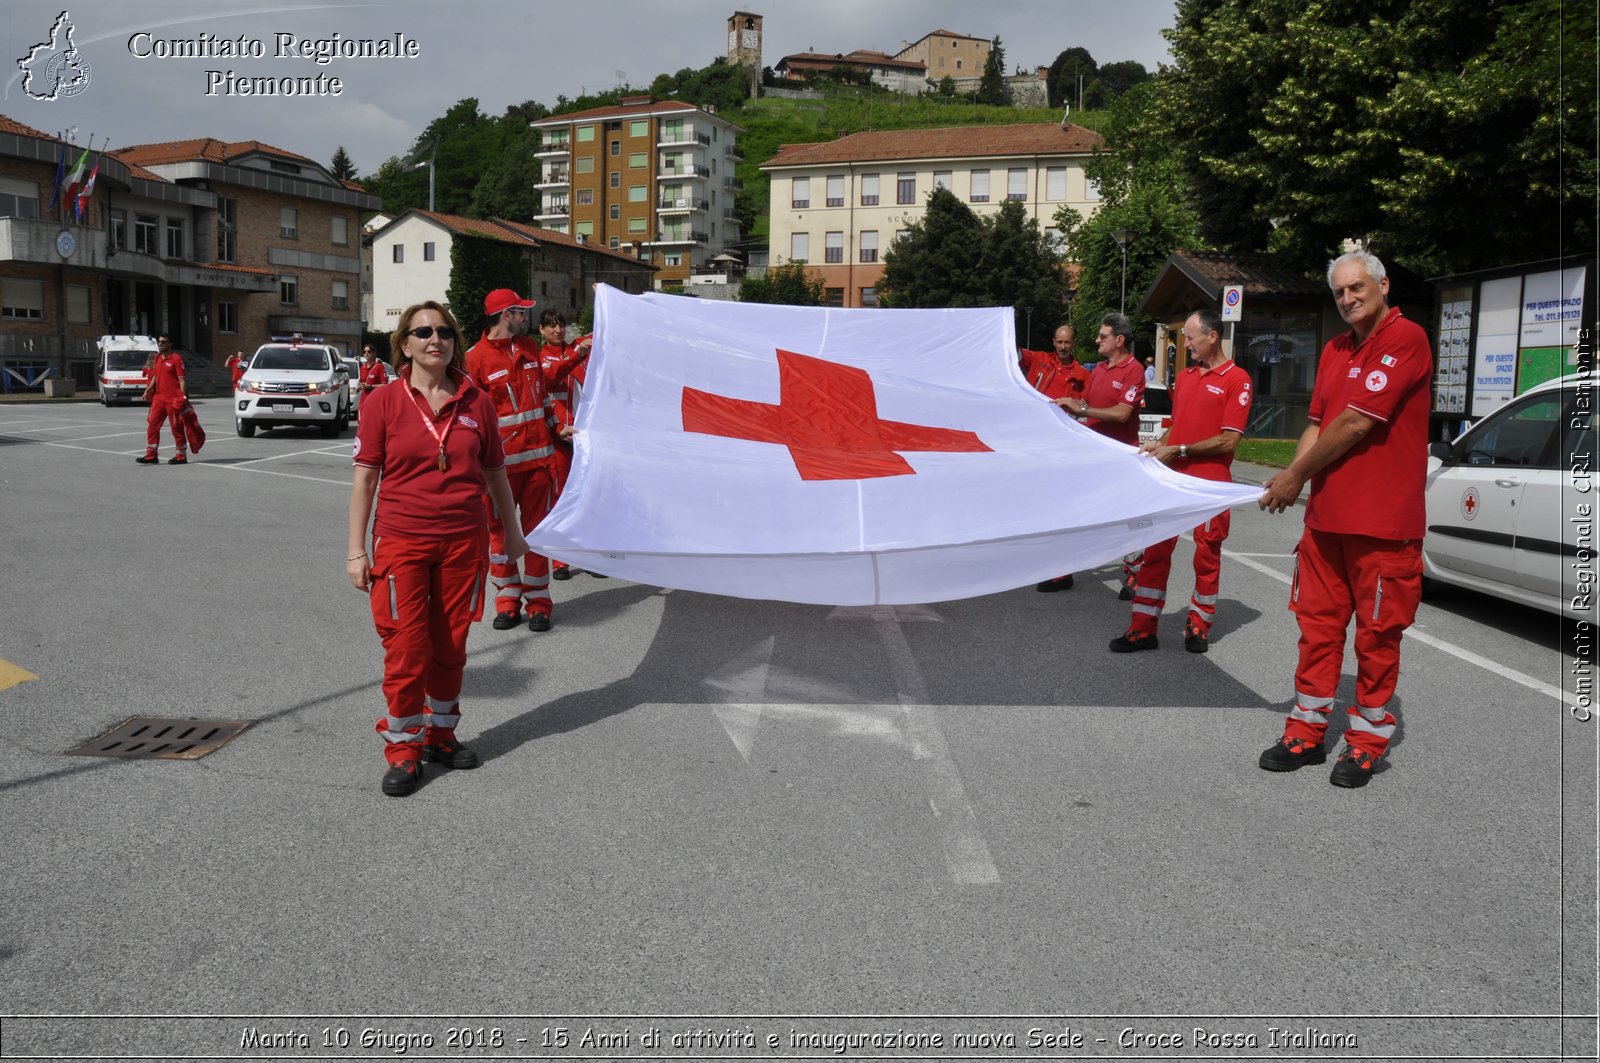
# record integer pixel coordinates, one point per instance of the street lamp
(429, 163)
(1124, 238)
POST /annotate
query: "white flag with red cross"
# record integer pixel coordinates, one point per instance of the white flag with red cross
(842, 457)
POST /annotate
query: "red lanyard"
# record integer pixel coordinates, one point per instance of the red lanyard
(427, 423)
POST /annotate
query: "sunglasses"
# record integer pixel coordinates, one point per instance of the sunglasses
(425, 332)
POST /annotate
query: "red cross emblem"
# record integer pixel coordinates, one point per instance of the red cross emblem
(827, 415)
(1469, 503)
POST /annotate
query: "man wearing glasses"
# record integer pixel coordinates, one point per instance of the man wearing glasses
(1210, 410)
(167, 396)
(373, 374)
(1061, 378)
(506, 365)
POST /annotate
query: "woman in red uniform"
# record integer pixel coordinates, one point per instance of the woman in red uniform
(427, 450)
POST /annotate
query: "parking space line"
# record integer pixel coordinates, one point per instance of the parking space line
(1451, 648)
(343, 451)
(198, 463)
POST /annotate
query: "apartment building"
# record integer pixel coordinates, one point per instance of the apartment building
(411, 255)
(839, 205)
(652, 178)
(268, 214)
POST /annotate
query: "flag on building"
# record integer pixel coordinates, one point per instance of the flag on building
(69, 197)
(87, 191)
(61, 175)
(843, 457)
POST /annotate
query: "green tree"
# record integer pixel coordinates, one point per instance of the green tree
(1021, 270)
(1449, 135)
(992, 88)
(506, 188)
(1061, 80)
(479, 265)
(341, 167)
(790, 284)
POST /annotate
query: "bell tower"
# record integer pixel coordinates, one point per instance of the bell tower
(744, 46)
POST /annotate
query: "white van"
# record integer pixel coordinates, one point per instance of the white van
(122, 361)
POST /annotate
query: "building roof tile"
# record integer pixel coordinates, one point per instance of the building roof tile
(201, 149)
(1034, 138)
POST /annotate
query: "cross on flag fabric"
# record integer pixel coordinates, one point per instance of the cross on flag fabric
(842, 457)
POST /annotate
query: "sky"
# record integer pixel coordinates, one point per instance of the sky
(137, 91)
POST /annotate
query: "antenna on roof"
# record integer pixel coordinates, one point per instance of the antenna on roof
(1066, 109)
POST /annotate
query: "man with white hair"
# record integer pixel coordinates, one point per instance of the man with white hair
(1366, 455)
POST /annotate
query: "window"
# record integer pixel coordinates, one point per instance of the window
(833, 297)
(585, 133)
(836, 190)
(585, 197)
(1054, 240)
(672, 258)
(585, 228)
(800, 195)
(227, 317)
(941, 178)
(288, 290)
(672, 130)
(958, 63)
(638, 225)
(612, 243)
(639, 127)
(638, 194)
(833, 247)
(905, 188)
(901, 234)
(586, 164)
(18, 199)
(616, 178)
(21, 300)
(616, 147)
(799, 247)
(227, 228)
(1091, 190)
(399, 252)
(174, 237)
(869, 245)
(340, 234)
(980, 186)
(869, 190)
(869, 297)
(616, 211)
(1055, 183)
(119, 230)
(1017, 183)
(1519, 437)
(289, 223)
(638, 160)
(341, 295)
(144, 234)
(78, 304)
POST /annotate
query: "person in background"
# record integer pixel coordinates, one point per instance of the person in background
(1366, 455)
(1059, 376)
(167, 395)
(373, 373)
(561, 363)
(236, 365)
(427, 452)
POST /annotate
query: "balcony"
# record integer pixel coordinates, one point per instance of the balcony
(553, 210)
(672, 140)
(553, 147)
(680, 236)
(673, 206)
(690, 170)
(33, 240)
(552, 179)
(733, 184)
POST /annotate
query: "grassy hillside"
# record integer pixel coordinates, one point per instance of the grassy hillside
(770, 122)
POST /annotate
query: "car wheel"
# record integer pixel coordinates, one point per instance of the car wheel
(246, 429)
(105, 400)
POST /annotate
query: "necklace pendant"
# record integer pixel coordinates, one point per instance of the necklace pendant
(443, 464)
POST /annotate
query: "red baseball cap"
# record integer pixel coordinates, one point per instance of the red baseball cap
(503, 299)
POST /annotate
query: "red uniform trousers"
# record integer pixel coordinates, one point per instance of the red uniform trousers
(1150, 593)
(533, 490)
(170, 411)
(1380, 582)
(425, 595)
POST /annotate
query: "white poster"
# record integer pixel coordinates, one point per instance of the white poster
(1552, 304)
(1494, 366)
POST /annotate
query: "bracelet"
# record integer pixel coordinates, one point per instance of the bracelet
(358, 557)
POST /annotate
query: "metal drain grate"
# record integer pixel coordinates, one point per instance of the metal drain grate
(154, 738)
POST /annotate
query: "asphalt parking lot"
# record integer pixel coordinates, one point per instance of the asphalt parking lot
(724, 821)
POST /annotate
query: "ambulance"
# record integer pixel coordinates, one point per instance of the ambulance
(121, 373)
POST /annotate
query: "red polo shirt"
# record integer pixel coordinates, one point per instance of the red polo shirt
(1053, 377)
(1376, 487)
(416, 500)
(166, 376)
(1122, 386)
(1205, 403)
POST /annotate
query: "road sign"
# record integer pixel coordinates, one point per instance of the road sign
(1232, 302)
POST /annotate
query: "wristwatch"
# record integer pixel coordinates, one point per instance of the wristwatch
(1183, 450)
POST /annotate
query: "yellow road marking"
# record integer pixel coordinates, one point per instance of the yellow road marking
(11, 675)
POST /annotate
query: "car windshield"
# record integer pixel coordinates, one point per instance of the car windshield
(126, 360)
(289, 358)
